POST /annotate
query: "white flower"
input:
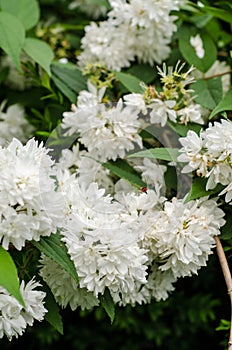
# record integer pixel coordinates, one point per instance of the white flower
(29, 205)
(34, 301)
(152, 173)
(135, 29)
(91, 8)
(14, 318)
(13, 124)
(184, 235)
(191, 113)
(210, 154)
(107, 132)
(162, 111)
(64, 288)
(197, 43)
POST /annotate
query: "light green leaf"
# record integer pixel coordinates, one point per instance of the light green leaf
(56, 250)
(209, 92)
(9, 275)
(224, 105)
(27, 11)
(123, 170)
(40, 52)
(108, 304)
(188, 52)
(168, 154)
(53, 315)
(12, 36)
(130, 82)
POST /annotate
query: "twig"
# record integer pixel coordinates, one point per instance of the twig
(228, 280)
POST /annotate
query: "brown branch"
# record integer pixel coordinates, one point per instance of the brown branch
(228, 279)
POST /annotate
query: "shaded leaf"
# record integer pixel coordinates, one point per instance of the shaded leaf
(129, 81)
(53, 315)
(122, 169)
(108, 304)
(198, 189)
(224, 105)
(209, 92)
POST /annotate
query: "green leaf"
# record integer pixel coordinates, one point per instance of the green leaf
(56, 250)
(224, 105)
(218, 13)
(129, 81)
(69, 79)
(182, 129)
(108, 304)
(40, 52)
(209, 92)
(27, 11)
(122, 169)
(9, 275)
(168, 154)
(188, 52)
(12, 36)
(144, 72)
(53, 315)
(198, 189)
(226, 232)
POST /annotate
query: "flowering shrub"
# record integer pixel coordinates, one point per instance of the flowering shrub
(115, 158)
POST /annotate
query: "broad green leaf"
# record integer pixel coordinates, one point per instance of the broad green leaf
(168, 154)
(69, 79)
(144, 72)
(108, 304)
(198, 190)
(53, 315)
(188, 52)
(56, 250)
(40, 52)
(9, 275)
(27, 11)
(12, 36)
(122, 169)
(224, 105)
(209, 92)
(129, 81)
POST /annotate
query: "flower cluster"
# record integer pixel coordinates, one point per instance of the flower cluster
(134, 29)
(29, 204)
(14, 317)
(210, 155)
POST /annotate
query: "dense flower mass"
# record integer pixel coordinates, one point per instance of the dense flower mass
(89, 195)
(134, 29)
(29, 204)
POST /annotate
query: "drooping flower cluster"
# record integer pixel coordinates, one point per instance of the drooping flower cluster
(135, 29)
(29, 205)
(14, 318)
(210, 155)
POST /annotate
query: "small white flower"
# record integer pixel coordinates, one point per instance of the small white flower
(197, 44)
(162, 111)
